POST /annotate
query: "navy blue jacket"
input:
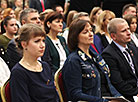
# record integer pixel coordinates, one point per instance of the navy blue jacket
(29, 86)
(82, 79)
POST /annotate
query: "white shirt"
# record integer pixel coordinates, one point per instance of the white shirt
(135, 39)
(61, 52)
(4, 72)
(65, 34)
(108, 39)
(123, 50)
(131, 62)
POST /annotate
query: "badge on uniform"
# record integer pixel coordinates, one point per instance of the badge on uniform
(102, 62)
(93, 74)
(107, 70)
(82, 55)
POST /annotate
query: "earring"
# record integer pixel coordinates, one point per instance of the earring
(25, 48)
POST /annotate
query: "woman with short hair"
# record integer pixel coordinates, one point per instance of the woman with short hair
(56, 49)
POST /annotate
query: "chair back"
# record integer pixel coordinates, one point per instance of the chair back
(59, 85)
(5, 92)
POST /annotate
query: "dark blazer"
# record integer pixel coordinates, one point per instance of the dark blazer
(13, 53)
(51, 54)
(36, 4)
(122, 77)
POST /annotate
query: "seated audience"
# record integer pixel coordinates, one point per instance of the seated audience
(18, 11)
(17, 3)
(56, 50)
(85, 74)
(4, 4)
(10, 25)
(129, 9)
(102, 37)
(69, 20)
(6, 12)
(81, 15)
(122, 59)
(132, 22)
(59, 9)
(95, 12)
(31, 80)
(28, 15)
(44, 14)
(11, 28)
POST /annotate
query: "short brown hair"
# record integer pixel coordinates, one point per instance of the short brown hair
(25, 13)
(50, 17)
(126, 7)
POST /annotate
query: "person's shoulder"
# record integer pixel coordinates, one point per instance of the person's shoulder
(18, 68)
(12, 41)
(2, 36)
(18, 71)
(73, 57)
(61, 38)
(3, 64)
(107, 49)
(45, 65)
(133, 48)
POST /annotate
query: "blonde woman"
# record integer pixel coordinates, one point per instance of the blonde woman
(102, 37)
(56, 49)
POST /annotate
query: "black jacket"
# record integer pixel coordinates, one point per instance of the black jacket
(122, 77)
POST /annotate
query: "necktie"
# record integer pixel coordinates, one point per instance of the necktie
(127, 56)
(129, 59)
(128, 53)
(42, 3)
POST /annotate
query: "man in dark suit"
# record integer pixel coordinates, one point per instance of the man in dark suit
(123, 64)
(36, 4)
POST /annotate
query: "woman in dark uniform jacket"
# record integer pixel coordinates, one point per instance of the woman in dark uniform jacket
(56, 49)
(85, 74)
